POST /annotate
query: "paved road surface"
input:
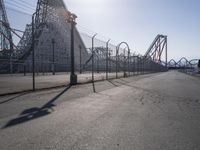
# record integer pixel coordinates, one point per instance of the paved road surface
(17, 83)
(150, 112)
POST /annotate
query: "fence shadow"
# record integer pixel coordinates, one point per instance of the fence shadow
(35, 112)
(13, 98)
(110, 81)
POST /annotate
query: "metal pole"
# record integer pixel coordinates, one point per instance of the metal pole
(98, 55)
(138, 65)
(109, 63)
(166, 54)
(124, 62)
(107, 59)
(129, 62)
(11, 51)
(24, 69)
(53, 59)
(133, 64)
(142, 67)
(93, 60)
(116, 61)
(33, 51)
(80, 70)
(73, 76)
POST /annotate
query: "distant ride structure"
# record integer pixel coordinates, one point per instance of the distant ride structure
(185, 65)
(49, 37)
(5, 33)
(158, 50)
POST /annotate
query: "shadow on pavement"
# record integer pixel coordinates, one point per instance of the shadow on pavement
(124, 80)
(112, 83)
(13, 98)
(35, 112)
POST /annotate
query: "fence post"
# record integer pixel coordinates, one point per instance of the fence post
(128, 62)
(11, 61)
(24, 69)
(53, 57)
(80, 69)
(33, 50)
(116, 61)
(93, 61)
(107, 59)
(124, 62)
(134, 64)
(138, 65)
(166, 51)
(73, 76)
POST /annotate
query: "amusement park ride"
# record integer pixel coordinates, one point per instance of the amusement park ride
(50, 29)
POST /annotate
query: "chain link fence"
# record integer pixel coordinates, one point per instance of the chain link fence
(96, 57)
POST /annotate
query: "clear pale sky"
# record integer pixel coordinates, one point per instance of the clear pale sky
(139, 21)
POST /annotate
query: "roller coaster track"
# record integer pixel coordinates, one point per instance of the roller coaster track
(47, 13)
(183, 63)
(157, 49)
(100, 56)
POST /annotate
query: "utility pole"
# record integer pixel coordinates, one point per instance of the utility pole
(71, 18)
(53, 59)
(33, 49)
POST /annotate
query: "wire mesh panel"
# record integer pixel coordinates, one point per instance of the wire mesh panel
(97, 49)
(19, 78)
(111, 61)
(15, 75)
(41, 45)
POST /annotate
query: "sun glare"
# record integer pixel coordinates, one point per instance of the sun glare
(89, 2)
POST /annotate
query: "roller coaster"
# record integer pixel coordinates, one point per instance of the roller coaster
(184, 63)
(52, 32)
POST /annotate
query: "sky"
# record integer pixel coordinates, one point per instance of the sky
(137, 22)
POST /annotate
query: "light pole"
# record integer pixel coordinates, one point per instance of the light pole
(33, 49)
(71, 18)
(53, 59)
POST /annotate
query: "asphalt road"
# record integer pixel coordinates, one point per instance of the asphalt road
(150, 112)
(18, 83)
